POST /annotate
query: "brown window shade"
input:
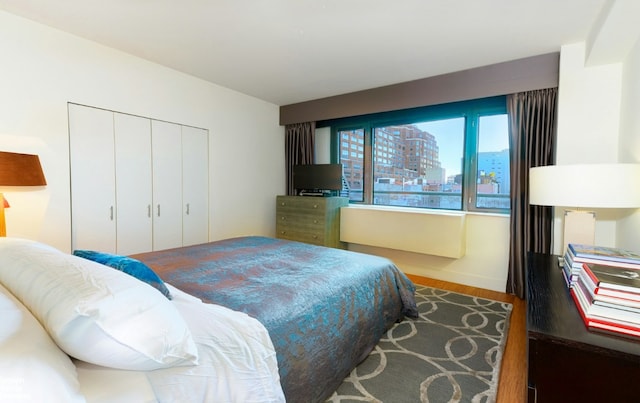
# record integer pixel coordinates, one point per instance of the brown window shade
(531, 73)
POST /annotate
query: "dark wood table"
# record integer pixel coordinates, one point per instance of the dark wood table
(568, 362)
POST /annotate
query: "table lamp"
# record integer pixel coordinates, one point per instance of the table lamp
(17, 170)
(584, 186)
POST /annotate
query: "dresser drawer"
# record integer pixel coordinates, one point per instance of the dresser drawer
(301, 205)
(315, 222)
(301, 228)
(308, 237)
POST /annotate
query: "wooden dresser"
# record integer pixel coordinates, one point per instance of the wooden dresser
(314, 220)
(567, 362)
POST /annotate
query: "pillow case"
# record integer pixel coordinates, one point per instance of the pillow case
(128, 265)
(32, 367)
(104, 317)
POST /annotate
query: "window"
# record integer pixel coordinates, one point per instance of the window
(493, 185)
(453, 156)
(352, 163)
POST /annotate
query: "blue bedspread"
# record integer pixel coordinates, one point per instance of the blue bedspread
(324, 308)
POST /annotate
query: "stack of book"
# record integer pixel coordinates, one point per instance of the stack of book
(571, 267)
(605, 284)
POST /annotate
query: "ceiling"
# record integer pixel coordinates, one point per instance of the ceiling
(289, 51)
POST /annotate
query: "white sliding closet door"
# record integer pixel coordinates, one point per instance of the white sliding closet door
(93, 203)
(195, 185)
(133, 184)
(166, 144)
(137, 184)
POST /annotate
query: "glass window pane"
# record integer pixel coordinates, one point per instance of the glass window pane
(492, 184)
(353, 162)
(419, 165)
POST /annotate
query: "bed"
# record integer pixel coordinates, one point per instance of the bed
(324, 308)
(250, 319)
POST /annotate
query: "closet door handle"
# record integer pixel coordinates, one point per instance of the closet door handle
(158, 210)
(187, 208)
(149, 210)
(111, 213)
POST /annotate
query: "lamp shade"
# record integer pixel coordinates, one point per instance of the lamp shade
(20, 170)
(586, 185)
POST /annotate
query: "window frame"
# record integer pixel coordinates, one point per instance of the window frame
(471, 110)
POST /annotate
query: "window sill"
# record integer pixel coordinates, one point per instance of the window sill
(419, 210)
(430, 232)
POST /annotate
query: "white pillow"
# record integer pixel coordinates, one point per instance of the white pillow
(32, 367)
(94, 313)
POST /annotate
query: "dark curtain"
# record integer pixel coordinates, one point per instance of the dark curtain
(299, 149)
(532, 136)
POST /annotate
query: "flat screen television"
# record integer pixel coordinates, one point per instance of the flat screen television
(317, 178)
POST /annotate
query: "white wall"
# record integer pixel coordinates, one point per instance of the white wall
(588, 124)
(323, 145)
(484, 264)
(628, 229)
(42, 69)
(598, 121)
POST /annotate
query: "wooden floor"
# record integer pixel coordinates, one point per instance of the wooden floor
(513, 374)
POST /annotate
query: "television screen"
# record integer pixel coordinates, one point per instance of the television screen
(317, 177)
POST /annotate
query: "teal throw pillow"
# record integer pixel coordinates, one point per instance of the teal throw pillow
(128, 265)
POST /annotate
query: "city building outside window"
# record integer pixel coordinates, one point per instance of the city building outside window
(453, 156)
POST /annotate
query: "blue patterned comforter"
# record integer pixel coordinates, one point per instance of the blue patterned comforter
(325, 309)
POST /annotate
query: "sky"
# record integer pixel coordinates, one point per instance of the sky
(449, 135)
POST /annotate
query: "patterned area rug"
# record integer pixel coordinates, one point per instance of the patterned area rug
(452, 353)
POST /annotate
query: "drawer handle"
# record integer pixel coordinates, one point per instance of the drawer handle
(283, 232)
(315, 206)
(315, 237)
(283, 218)
(315, 221)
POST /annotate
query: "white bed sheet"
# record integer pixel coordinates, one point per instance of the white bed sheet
(237, 363)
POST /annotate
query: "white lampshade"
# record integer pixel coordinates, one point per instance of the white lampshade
(586, 185)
